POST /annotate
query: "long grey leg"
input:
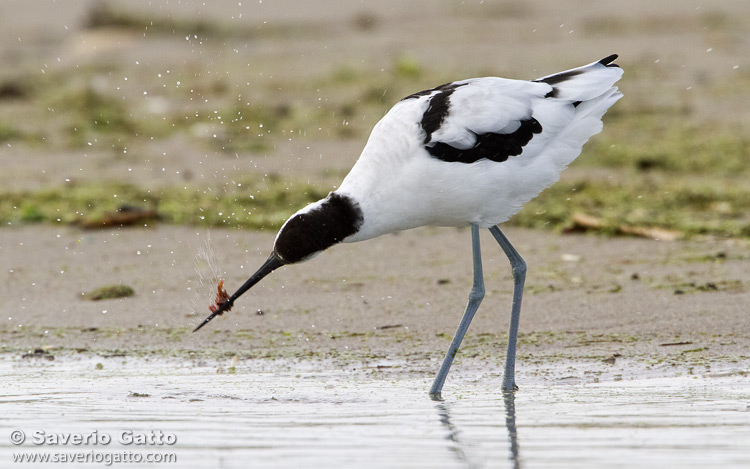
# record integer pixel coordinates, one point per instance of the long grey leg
(518, 267)
(475, 298)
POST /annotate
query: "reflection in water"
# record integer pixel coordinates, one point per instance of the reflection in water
(509, 397)
(454, 434)
(306, 417)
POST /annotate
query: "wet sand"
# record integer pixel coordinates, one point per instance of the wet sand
(587, 297)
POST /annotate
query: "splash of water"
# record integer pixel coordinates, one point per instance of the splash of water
(208, 274)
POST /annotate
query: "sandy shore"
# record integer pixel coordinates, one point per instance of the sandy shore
(399, 296)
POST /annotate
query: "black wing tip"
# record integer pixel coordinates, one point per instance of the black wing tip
(607, 61)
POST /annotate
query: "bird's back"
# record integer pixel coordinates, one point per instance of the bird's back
(475, 151)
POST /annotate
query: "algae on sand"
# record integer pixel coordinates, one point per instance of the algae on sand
(109, 292)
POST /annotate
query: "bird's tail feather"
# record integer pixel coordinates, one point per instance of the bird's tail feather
(584, 83)
(597, 107)
(586, 123)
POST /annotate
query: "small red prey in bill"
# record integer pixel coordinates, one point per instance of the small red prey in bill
(221, 297)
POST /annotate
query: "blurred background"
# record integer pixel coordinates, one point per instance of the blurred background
(235, 113)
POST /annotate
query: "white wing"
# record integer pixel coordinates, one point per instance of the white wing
(480, 106)
(496, 118)
(504, 139)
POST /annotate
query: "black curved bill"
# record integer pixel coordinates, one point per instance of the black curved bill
(272, 263)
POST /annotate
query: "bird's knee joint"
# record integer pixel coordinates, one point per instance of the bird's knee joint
(474, 297)
(476, 294)
(519, 269)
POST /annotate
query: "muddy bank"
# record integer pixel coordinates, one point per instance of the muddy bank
(396, 296)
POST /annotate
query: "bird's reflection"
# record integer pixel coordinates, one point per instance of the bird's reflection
(454, 434)
(509, 398)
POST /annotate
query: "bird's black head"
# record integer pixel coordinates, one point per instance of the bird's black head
(318, 227)
(308, 232)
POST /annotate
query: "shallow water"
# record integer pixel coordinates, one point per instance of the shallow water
(306, 415)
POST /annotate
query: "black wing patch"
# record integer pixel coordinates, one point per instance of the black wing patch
(437, 110)
(491, 146)
(560, 77)
(443, 87)
(555, 79)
